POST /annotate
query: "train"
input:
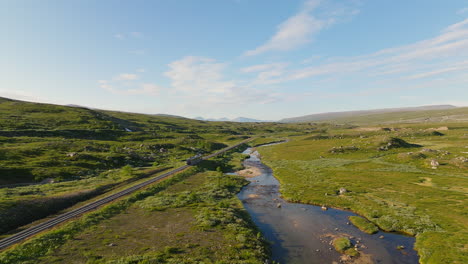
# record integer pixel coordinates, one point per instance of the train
(194, 160)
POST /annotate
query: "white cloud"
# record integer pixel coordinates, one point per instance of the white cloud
(145, 89)
(295, 31)
(300, 28)
(134, 34)
(201, 81)
(198, 74)
(20, 95)
(446, 52)
(262, 67)
(127, 77)
(141, 70)
(266, 73)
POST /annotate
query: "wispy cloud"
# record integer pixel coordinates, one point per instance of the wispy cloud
(142, 89)
(145, 89)
(447, 52)
(301, 28)
(295, 31)
(122, 36)
(202, 78)
(203, 82)
(266, 73)
(127, 77)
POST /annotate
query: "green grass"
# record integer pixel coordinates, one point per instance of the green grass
(82, 151)
(344, 246)
(364, 225)
(31, 250)
(192, 217)
(395, 189)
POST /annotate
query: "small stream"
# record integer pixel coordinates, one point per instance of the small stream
(301, 233)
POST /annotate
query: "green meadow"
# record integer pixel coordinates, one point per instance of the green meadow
(388, 179)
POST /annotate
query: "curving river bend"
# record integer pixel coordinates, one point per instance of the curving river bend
(301, 233)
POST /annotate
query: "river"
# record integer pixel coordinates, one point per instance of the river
(302, 233)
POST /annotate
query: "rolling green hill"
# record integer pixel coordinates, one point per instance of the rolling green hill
(440, 113)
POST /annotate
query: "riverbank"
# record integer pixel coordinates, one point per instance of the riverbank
(384, 186)
(301, 233)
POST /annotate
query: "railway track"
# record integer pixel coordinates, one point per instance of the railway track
(18, 237)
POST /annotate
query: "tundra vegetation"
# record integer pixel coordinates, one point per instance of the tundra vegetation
(408, 177)
(344, 245)
(53, 157)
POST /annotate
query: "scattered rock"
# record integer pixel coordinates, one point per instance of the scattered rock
(381, 237)
(72, 154)
(343, 190)
(434, 164)
(429, 150)
(278, 205)
(47, 180)
(324, 208)
(400, 247)
(112, 245)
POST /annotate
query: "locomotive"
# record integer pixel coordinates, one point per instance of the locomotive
(194, 160)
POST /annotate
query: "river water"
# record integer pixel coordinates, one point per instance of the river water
(302, 233)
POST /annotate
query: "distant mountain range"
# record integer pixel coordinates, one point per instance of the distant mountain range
(349, 114)
(238, 119)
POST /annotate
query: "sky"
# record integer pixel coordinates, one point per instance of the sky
(264, 59)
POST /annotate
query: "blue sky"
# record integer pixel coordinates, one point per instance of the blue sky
(228, 58)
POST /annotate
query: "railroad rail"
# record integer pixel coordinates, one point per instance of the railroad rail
(20, 236)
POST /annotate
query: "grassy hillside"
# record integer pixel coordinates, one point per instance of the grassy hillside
(408, 179)
(431, 114)
(40, 141)
(87, 152)
(455, 115)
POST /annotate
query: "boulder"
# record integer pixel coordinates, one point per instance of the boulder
(343, 190)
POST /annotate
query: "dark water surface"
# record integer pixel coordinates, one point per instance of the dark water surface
(301, 233)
